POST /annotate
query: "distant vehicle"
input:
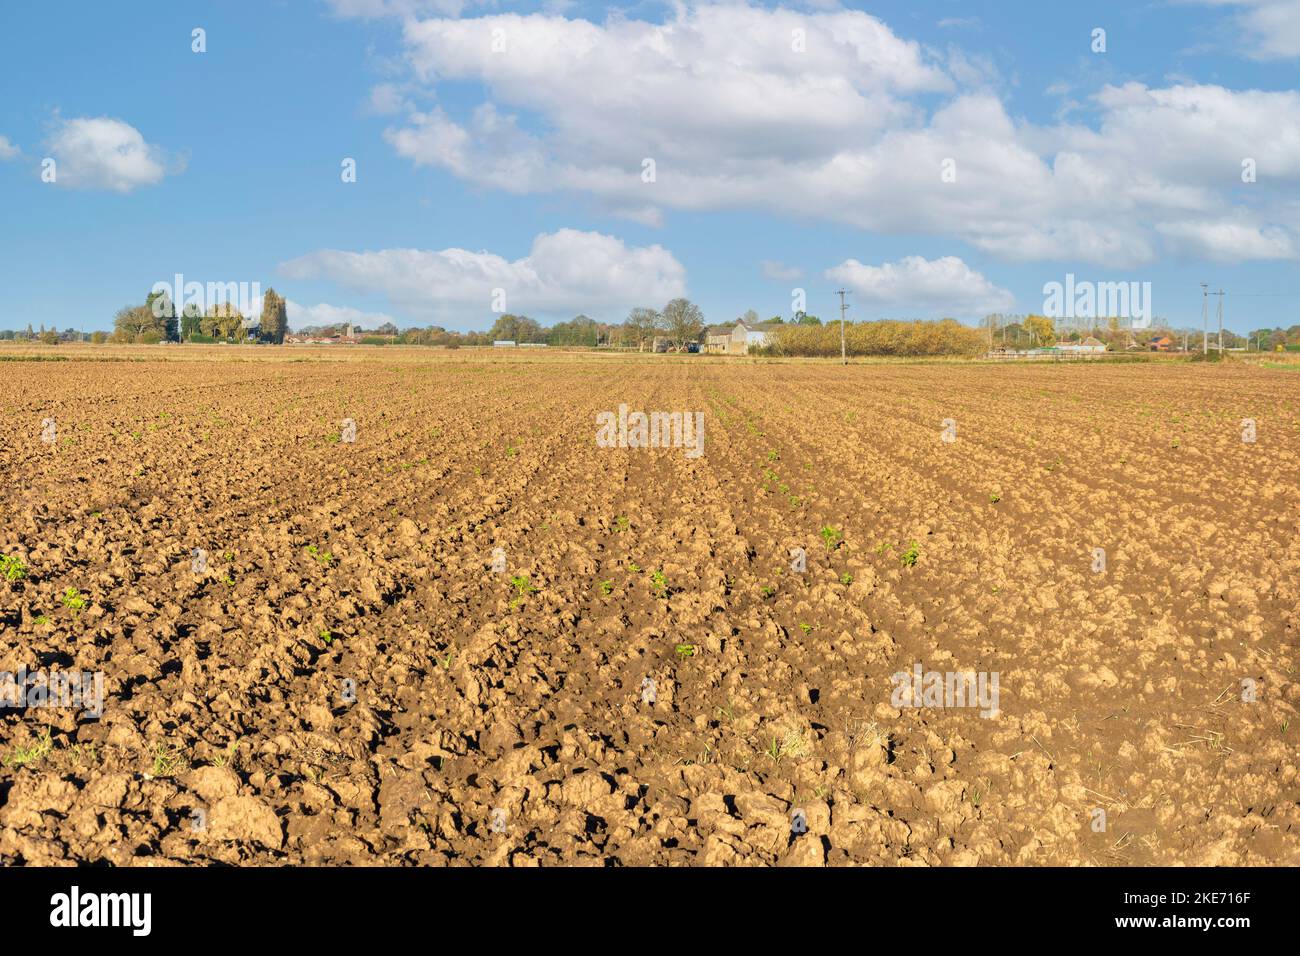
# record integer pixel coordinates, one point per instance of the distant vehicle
(693, 347)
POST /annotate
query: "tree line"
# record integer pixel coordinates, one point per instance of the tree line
(678, 323)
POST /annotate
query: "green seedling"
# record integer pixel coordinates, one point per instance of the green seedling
(324, 557)
(806, 628)
(23, 756)
(659, 583)
(606, 587)
(685, 650)
(227, 756)
(166, 761)
(846, 579)
(73, 600)
(622, 523)
(831, 537)
(12, 567)
(908, 557)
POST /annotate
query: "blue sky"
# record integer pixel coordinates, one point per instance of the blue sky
(518, 169)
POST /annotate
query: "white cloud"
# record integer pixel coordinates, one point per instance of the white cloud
(389, 98)
(779, 271)
(848, 131)
(7, 149)
(323, 313)
(1230, 241)
(104, 153)
(915, 286)
(1270, 29)
(565, 272)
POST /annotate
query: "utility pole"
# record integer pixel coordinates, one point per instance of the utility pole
(1205, 319)
(1220, 295)
(844, 355)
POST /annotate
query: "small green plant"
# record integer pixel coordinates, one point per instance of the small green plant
(227, 756)
(327, 636)
(908, 557)
(324, 557)
(831, 537)
(634, 567)
(806, 628)
(994, 498)
(883, 548)
(523, 587)
(846, 579)
(29, 755)
(12, 567)
(767, 591)
(685, 650)
(622, 523)
(659, 583)
(40, 620)
(606, 587)
(511, 451)
(166, 760)
(73, 600)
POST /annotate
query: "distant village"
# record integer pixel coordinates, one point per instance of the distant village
(680, 328)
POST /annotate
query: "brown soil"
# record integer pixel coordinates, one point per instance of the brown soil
(231, 731)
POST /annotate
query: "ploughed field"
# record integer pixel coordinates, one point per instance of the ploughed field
(474, 634)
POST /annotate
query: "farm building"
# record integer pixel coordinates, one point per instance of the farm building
(1088, 346)
(737, 339)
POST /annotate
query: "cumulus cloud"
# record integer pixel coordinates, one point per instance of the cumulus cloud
(323, 313)
(854, 129)
(1269, 29)
(104, 153)
(7, 149)
(565, 272)
(916, 286)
